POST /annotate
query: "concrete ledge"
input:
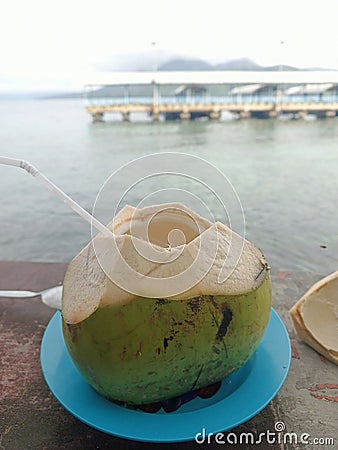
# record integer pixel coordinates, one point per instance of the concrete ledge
(31, 418)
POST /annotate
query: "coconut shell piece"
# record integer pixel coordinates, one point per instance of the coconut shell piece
(315, 317)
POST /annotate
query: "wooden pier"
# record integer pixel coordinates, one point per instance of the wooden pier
(214, 111)
(191, 95)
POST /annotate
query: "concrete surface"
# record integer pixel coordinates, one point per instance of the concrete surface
(31, 418)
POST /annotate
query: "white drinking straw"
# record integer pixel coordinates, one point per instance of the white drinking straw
(53, 188)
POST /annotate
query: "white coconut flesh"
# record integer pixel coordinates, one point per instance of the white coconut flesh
(169, 228)
(315, 317)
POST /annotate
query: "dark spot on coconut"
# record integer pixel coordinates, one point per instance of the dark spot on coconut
(161, 301)
(195, 305)
(174, 332)
(165, 343)
(123, 354)
(223, 327)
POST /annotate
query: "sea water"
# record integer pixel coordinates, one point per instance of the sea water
(285, 174)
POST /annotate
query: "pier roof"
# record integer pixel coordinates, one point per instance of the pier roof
(247, 89)
(309, 89)
(210, 77)
(183, 88)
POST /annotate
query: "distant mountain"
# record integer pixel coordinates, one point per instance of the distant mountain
(186, 64)
(234, 64)
(238, 64)
(198, 64)
(280, 67)
(164, 60)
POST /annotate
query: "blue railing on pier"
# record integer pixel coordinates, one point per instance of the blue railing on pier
(210, 100)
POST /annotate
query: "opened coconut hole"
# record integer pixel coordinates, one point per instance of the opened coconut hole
(167, 228)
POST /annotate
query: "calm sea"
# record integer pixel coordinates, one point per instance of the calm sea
(285, 174)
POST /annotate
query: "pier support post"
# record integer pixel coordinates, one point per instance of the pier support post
(215, 115)
(155, 114)
(97, 117)
(244, 114)
(330, 113)
(126, 116)
(302, 114)
(185, 115)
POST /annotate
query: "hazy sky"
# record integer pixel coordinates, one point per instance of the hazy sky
(44, 44)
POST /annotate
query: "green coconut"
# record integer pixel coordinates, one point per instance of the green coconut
(133, 344)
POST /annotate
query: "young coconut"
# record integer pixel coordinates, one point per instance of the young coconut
(315, 317)
(145, 322)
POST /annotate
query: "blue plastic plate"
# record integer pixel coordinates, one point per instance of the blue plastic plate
(241, 396)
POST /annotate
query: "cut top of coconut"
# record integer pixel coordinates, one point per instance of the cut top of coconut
(316, 316)
(161, 251)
